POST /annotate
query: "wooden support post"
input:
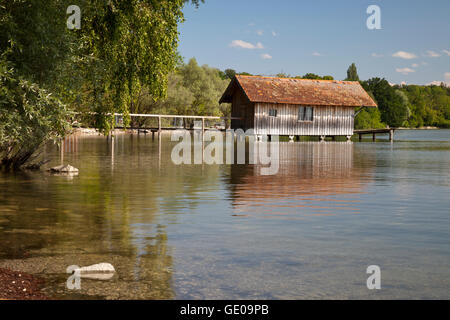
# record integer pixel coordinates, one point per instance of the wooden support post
(159, 125)
(391, 135)
(360, 136)
(203, 126)
(62, 152)
(159, 151)
(374, 137)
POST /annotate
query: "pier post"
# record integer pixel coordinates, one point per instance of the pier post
(159, 125)
(374, 137)
(61, 155)
(391, 135)
(360, 137)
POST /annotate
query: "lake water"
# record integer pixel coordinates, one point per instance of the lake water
(227, 232)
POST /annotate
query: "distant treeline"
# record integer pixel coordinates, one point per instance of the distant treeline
(410, 106)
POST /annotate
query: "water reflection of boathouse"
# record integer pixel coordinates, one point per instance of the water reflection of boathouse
(308, 171)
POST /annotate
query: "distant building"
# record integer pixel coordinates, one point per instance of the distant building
(295, 107)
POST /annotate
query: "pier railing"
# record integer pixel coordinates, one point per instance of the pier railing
(374, 132)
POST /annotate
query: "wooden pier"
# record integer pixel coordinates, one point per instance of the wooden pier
(159, 128)
(374, 132)
(160, 116)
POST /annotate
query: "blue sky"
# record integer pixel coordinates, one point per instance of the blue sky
(322, 37)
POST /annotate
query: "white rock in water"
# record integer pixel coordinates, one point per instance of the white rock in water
(97, 276)
(98, 268)
(64, 168)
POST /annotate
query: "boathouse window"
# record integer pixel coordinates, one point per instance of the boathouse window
(272, 112)
(305, 114)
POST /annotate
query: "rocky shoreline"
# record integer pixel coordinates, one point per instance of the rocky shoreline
(15, 285)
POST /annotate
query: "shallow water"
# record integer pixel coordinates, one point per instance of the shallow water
(225, 231)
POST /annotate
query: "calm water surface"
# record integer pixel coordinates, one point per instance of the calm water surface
(225, 231)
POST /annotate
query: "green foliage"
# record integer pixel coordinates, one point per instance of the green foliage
(429, 105)
(123, 48)
(192, 90)
(315, 77)
(230, 73)
(392, 105)
(126, 46)
(369, 118)
(33, 40)
(34, 47)
(29, 116)
(410, 106)
(352, 73)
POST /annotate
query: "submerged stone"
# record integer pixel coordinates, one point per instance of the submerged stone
(98, 268)
(64, 169)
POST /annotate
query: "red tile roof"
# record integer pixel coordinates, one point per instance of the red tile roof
(300, 91)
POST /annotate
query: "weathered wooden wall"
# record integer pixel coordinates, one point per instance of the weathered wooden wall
(242, 108)
(328, 121)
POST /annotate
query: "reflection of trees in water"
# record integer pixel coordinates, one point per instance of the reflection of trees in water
(118, 205)
(307, 171)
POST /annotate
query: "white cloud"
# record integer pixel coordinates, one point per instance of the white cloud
(446, 52)
(259, 32)
(266, 56)
(405, 71)
(404, 55)
(432, 54)
(438, 83)
(415, 65)
(245, 45)
(434, 83)
(274, 33)
(377, 55)
(317, 54)
(447, 77)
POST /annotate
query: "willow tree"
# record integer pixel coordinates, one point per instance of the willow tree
(125, 46)
(121, 46)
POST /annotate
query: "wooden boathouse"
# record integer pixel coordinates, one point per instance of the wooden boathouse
(295, 107)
